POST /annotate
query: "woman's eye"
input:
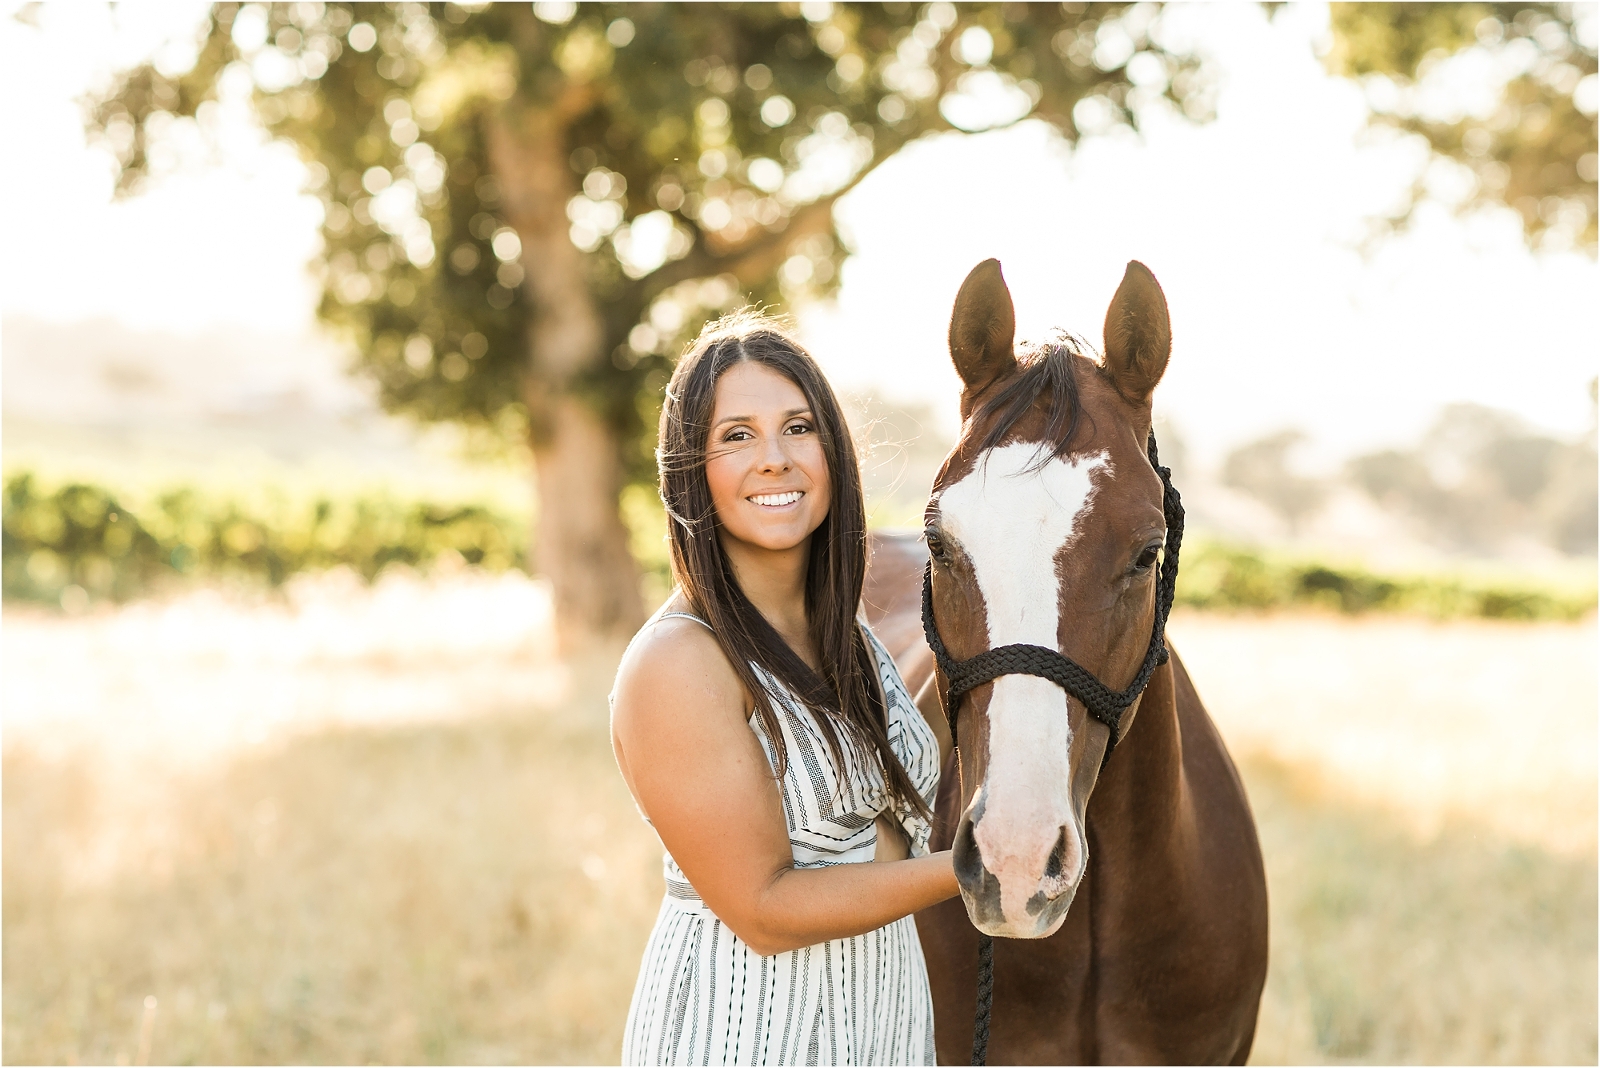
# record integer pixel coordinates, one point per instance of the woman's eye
(737, 435)
(797, 428)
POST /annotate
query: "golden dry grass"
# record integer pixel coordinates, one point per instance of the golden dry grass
(1387, 949)
(418, 894)
(1426, 799)
(385, 827)
(1491, 722)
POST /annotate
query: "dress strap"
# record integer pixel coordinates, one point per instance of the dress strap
(684, 615)
(872, 637)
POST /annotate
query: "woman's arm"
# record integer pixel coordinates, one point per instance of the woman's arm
(679, 727)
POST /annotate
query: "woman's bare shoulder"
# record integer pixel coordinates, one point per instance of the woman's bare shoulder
(675, 668)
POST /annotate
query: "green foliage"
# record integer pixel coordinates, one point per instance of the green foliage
(691, 154)
(1394, 38)
(646, 521)
(87, 536)
(1536, 150)
(1231, 577)
(116, 545)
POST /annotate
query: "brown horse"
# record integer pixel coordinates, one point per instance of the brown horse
(1129, 901)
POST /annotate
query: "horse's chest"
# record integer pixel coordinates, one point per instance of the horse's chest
(1087, 995)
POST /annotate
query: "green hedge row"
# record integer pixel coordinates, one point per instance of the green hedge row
(83, 535)
(111, 547)
(1220, 576)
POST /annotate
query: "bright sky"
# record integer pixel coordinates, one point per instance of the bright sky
(1248, 222)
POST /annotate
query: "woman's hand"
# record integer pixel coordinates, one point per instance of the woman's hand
(680, 730)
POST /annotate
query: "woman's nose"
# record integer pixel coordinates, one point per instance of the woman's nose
(774, 457)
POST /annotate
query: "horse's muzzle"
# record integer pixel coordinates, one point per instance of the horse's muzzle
(1017, 895)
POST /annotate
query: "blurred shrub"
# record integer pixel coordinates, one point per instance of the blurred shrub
(117, 546)
(85, 536)
(646, 521)
(1219, 576)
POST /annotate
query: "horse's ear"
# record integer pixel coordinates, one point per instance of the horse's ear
(1138, 334)
(983, 327)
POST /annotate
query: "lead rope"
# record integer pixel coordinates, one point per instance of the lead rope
(980, 1024)
(1103, 704)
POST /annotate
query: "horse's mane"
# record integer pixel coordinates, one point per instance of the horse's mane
(1045, 374)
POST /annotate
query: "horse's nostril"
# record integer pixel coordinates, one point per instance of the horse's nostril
(965, 855)
(1058, 857)
(979, 888)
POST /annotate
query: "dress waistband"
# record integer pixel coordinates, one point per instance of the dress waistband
(681, 897)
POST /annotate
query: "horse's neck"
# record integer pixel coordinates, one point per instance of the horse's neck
(1140, 799)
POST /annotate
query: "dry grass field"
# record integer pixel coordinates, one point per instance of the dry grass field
(383, 826)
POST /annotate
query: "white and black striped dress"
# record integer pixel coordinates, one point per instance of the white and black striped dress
(704, 997)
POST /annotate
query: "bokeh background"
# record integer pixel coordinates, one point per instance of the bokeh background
(333, 340)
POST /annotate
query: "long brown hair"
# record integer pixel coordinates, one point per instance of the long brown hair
(844, 693)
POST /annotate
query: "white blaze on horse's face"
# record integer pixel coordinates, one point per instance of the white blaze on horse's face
(1012, 517)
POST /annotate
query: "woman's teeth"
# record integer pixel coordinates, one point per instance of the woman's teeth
(776, 500)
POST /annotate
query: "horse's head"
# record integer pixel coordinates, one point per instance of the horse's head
(1044, 526)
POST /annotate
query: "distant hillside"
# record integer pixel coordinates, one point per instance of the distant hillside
(99, 401)
(100, 371)
(96, 394)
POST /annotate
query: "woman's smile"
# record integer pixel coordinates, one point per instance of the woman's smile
(777, 501)
(764, 451)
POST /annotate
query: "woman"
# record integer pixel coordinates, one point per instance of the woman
(768, 738)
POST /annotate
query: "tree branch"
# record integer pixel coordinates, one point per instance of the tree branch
(575, 100)
(755, 259)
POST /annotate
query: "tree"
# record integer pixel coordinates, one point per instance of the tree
(1533, 145)
(1261, 468)
(527, 207)
(1480, 480)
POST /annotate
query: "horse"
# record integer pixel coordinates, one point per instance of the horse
(1125, 889)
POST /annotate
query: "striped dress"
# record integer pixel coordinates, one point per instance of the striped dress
(704, 997)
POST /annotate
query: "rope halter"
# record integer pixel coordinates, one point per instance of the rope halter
(1104, 704)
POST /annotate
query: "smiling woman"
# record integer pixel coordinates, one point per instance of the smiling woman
(767, 736)
(766, 466)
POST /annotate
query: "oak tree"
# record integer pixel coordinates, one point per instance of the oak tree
(528, 207)
(1529, 140)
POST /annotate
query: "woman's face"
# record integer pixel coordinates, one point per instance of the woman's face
(764, 460)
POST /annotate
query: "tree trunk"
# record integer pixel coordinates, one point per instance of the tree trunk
(582, 543)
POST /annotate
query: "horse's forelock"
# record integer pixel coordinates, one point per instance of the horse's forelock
(1045, 379)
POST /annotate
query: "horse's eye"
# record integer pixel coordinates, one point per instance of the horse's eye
(935, 545)
(1147, 559)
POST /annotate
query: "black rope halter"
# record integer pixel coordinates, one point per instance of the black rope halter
(1103, 703)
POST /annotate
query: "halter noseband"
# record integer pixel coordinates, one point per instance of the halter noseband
(1104, 704)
